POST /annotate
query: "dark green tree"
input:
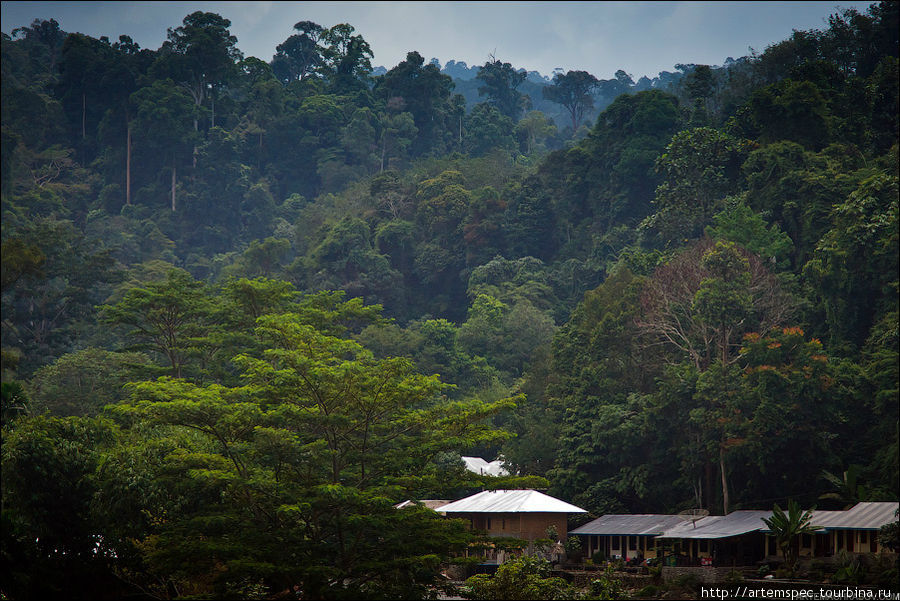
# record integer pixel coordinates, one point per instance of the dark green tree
(574, 91)
(499, 82)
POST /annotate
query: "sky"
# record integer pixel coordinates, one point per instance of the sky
(643, 38)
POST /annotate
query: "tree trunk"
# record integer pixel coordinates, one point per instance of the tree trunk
(724, 481)
(173, 185)
(128, 167)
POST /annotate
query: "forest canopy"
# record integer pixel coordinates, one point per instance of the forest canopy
(250, 305)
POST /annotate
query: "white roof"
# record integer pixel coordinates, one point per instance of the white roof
(485, 468)
(510, 501)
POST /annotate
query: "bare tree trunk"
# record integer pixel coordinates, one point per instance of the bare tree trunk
(724, 481)
(128, 168)
(173, 184)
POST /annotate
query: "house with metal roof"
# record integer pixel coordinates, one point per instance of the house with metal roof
(625, 536)
(524, 514)
(854, 530)
(733, 539)
(739, 538)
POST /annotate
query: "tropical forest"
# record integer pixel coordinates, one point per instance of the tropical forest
(251, 304)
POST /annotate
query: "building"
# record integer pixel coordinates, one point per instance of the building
(524, 514)
(433, 504)
(736, 539)
(854, 530)
(740, 538)
(479, 466)
(623, 536)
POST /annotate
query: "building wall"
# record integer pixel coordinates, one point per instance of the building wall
(624, 546)
(527, 526)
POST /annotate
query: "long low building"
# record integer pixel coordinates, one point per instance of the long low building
(625, 536)
(739, 538)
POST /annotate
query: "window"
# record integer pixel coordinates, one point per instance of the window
(488, 523)
(850, 536)
(632, 543)
(704, 546)
(806, 541)
(615, 542)
(873, 543)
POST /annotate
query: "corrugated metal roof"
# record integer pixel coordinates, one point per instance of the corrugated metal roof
(821, 518)
(862, 516)
(720, 526)
(633, 525)
(510, 501)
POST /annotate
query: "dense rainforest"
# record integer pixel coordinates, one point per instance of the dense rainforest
(247, 306)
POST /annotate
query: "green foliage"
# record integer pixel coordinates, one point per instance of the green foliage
(499, 82)
(522, 578)
(165, 317)
(82, 383)
(700, 168)
(607, 586)
(786, 527)
(664, 385)
(738, 223)
(573, 91)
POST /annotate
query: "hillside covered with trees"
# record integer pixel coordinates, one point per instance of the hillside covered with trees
(248, 305)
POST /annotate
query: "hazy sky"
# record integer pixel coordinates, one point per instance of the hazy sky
(643, 38)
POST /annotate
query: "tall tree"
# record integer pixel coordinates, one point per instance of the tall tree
(500, 82)
(574, 91)
(166, 317)
(299, 56)
(201, 54)
(347, 59)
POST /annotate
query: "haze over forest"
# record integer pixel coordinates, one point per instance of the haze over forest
(249, 304)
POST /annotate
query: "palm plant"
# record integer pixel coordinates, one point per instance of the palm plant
(785, 527)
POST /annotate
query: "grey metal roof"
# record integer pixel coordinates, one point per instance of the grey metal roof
(632, 525)
(720, 526)
(510, 501)
(862, 516)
